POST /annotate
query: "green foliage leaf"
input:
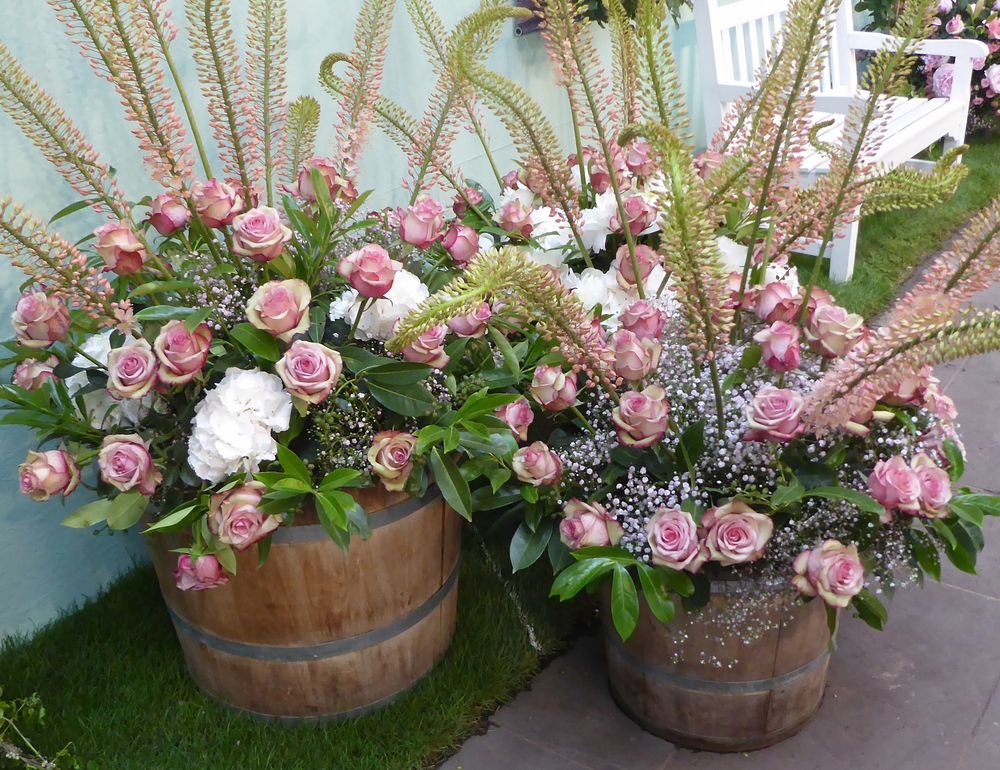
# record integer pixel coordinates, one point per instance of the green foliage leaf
(257, 341)
(164, 313)
(294, 466)
(956, 460)
(454, 488)
(511, 362)
(227, 558)
(925, 552)
(865, 502)
(784, 496)
(870, 609)
(178, 518)
(154, 287)
(341, 477)
(655, 589)
(88, 515)
(578, 576)
(526, 547)
(407, 400)
(624, 602)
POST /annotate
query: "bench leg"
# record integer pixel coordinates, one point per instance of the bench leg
(842, 252)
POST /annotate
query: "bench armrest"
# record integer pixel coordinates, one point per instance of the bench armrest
(961, 49)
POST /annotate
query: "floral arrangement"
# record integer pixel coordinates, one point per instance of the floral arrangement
(708, 414)
(212, 358)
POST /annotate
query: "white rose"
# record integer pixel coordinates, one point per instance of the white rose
(105, 412)
(379, 317)
(733, 254)
(992, 75)
(595, 223)
(522, 194)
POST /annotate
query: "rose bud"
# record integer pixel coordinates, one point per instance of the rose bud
(553, 389)
(638, 158)
(44, 474)
(168, 214)
(370, 270)
(181, 353)
(641, 417)
(895, 485)
(31, 373)
(639, 213)
(472, 324)
(131, 370)
(339, 186)
(461, 204)
(511, 180)
(428, 348)
(125, 464)
(120, 248)
(422, 224)
(39, 320)
(281, 308)
(780, 346)
(260, 235)
(645, 256)
(515, 217)
(518, 415)
(706, 162)
(200, 573)
(935, 486)
(832, 572)
(216, 202)
(462, 243)
(736, 533)
(673, 538)
(643, 319)
(586, 525)
(774, 415)
(750, 293)
(775, 302)
(310, 371)
(391, 457)
(236, 519)
(537, 465)
(832, 331)
(635, 358)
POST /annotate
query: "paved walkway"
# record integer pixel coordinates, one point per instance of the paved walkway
(920, 696)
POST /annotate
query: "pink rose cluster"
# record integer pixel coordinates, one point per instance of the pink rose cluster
(915, 488)
(730, 534)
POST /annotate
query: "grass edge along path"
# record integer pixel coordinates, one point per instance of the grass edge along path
(112, 678)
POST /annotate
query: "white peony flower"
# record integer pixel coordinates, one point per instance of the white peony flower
(380, 316)
(595, 223)
(105, 412)
(232, 431)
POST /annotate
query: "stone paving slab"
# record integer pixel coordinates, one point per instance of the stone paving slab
(923, 695)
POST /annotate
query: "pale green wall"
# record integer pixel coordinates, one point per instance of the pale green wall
(44, 567)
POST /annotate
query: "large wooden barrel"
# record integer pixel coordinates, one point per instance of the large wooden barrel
(321, 633)
(694, 685)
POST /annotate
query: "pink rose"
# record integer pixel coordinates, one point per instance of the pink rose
(260, 235)
(518, 415)
(236, 519)
(643, 319)
(281, 308)
(310, 371)
(44, 474)
(833, 572)
(750, 293)
(600, 177)
(935, 486)
(993, 25)
(775, 302)
(645, 256)
(736, 534)
(774, 415)
(422, 224)
(461, 204)
(339, 186)
(638, 212)
(586, 525)
(370, 270)
(428, 348)
(673, 538)
(911, 390)
(780, 346)
(635, 358)
(954, 26)
(940, 404)
(942, 80)
(895, 485)
(125, 464)
(639, 158)
(553, 389)
(832, 331)
(39, 320)
(515, 217)
(511, 180)
(32, 373)
(120, 248)
(199, 574)
(472, 324)
(131, 370)
(216, 202)
(537, 465)
(391, 457)
(168, 214)
(706, 162)
(641, 417)
(181, 353)
(462, 243)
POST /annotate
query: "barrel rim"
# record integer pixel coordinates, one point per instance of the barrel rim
(313, 652)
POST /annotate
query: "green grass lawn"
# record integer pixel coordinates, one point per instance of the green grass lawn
(112, 678)
(891, 245)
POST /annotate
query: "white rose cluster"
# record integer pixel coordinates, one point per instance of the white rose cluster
(233, 427)
(380, 316)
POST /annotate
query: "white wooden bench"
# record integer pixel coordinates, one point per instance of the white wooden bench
(733, 38)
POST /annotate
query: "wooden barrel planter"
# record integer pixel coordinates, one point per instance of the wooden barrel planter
(317, 632)
(659, 676)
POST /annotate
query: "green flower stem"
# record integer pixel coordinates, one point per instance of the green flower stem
(586, 423)
(357, 319)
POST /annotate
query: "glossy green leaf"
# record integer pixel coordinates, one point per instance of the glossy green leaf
(88, 515)
(153, 287)
(654, 588)
(454, 488)
(624, 602)
(407, 400)
(870, 609)
(526, 547)
(956, 460)
(578, 576)
(177, 519)
(865, 502)
(293, 465)
(257, 341)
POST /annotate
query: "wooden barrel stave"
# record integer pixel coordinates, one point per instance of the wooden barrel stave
(319, 633)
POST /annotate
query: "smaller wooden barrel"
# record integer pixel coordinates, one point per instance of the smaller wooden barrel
(320, 633)
(663, 678)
